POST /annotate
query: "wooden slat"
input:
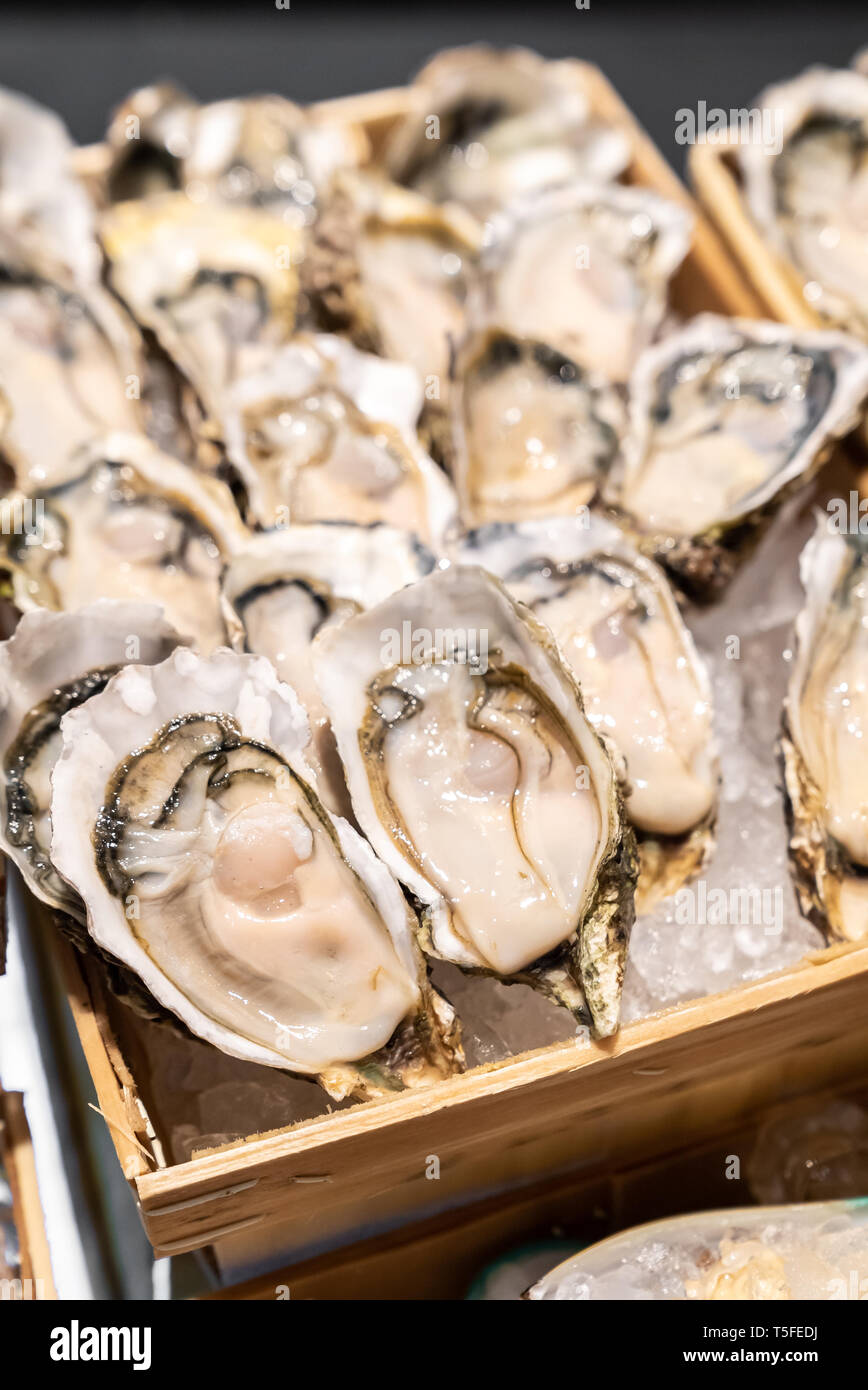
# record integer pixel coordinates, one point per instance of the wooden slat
(17, 1149)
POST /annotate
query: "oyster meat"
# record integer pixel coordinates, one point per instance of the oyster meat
(326, 433)
(183, 815)
(478, 779)
(488, 126)
(727, 418)
(534, 434)
(823, 735)
(132, 524)
(51, 664)
(217, 285)
(808, 191)
(586, 270)
(643, 683)
(290, 584)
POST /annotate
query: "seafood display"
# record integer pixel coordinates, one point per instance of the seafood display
(345, 475)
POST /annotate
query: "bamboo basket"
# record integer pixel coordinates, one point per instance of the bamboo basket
(663, 1084)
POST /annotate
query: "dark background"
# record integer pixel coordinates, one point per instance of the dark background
(661, 56)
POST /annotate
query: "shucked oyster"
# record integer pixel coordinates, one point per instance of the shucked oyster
(132, 524)
(393, 271)
(183, 815)
(489, 125)
(478, 779)
(533, 433)
(217, 285)
(729, 416)
(260, 151)
(50, 665)
(809, 192)
(69, 370)
(290, 584)
(585, 269)
(824, 732)
(643, 683)
(326, 433)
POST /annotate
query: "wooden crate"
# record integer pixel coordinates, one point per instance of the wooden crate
(16, 1150)
(663, 1083)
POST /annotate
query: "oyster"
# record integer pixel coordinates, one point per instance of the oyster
(488, 126)
(217, 285)
(326, 433)
(534, 434)
(643, 683)
(289, 585)
(808, 191)
(70, 371)
(52, 663)
(822, 740)
(478, 779)
(393, 271)
(132, 524)
(728, 417)
(585, 269)
(257, 151)
(183, 815)
(818, 1250)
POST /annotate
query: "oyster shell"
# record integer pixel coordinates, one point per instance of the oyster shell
(478, 779)
(217, 285)
(393, 271)
(809, 197)
(644, 686)
(290, 584)
(52, 663)
(133, 524)
(70, 371)
(585, 269)
(326, 433)
(183, 815)
(533, 433)
(821, 743)
(727, 418)
(508, 124)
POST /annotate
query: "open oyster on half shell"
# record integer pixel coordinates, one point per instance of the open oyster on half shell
(132, 524)
(643, 683)
(217, 285)
(808, 189)
(822, 743)
(479, 780)
(327, 433)
(728, 417)
(534, 433)
(51, 664)
(487, 126)
(183, 815)
(290, 584)
(585, 269)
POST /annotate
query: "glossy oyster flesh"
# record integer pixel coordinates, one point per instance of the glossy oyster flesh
(728, 417)
(534, 433)
(133, 524)
(822, 741)
(69, 370)
(752, 1254)
(477, 777)
(586, 270)
(488, 126)
(217, 285)
(326, 433)
(289, 585)
(643, 684)
(183, 815)
(52, 663)
(810, 196)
